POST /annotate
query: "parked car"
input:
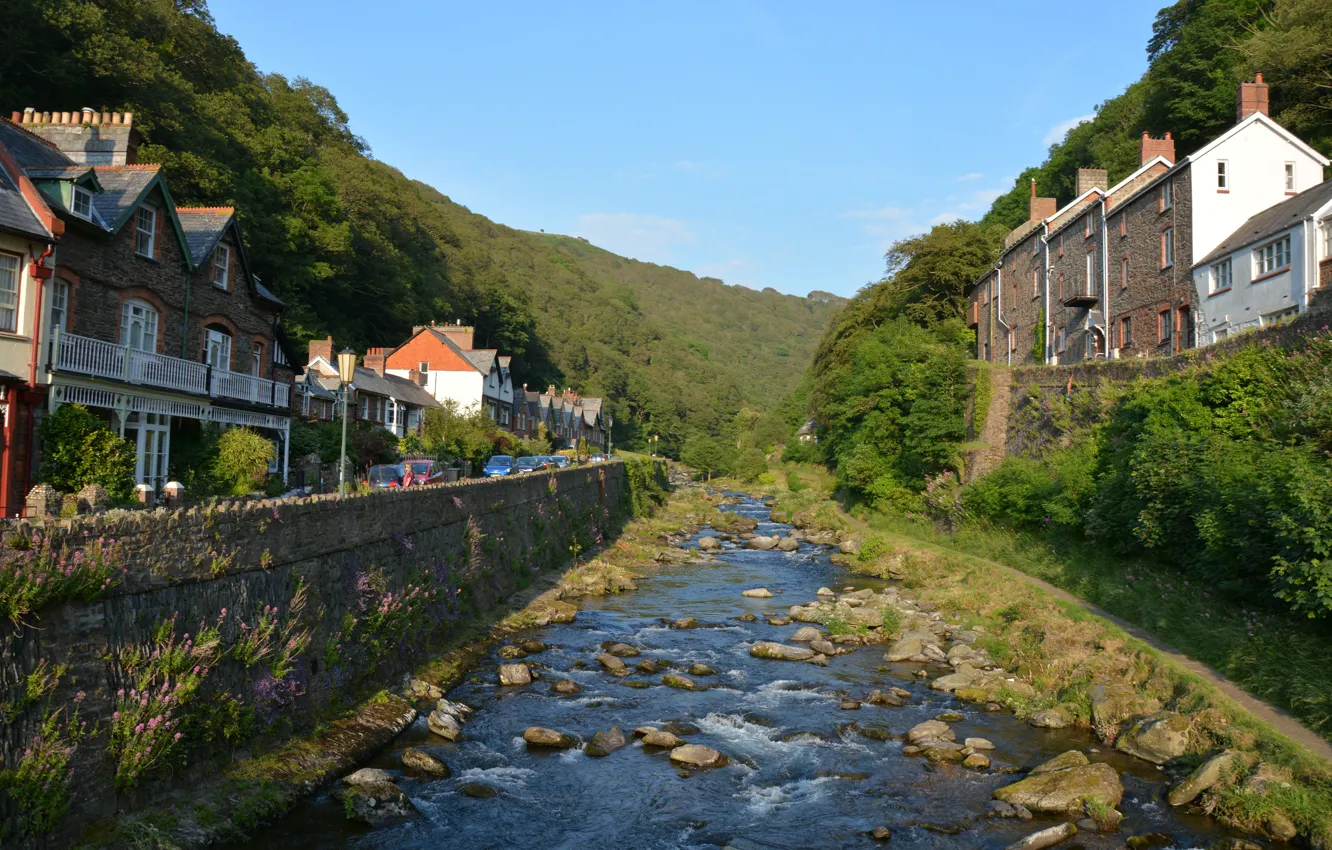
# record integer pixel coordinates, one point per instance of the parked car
(530, 464)
(560, 461)
(499, 466)
(423, 471)
(596, 458)
(385, 475)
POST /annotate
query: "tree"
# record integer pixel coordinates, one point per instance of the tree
(751, 465)
(705, 454)
(1293, 50)
(81, 449)
(242, 461)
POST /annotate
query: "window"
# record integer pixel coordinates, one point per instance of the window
(423, 367)
(1123, 226)
(1061, 286)
(1327, 238)
(1290, 177)
(217, 348)
(1126, 332)
(1091, 273)
(1059, 341)
(391, 413)
(1035, 283)
(1167, 247)
(1221, 276)
(82, 203)
(1274, 256)
(257, 360)
(1163, 326)
(1166, 195)
(1087, 227)
(11, 270)
(59, 305)
(1123, 272)
(145, 231)
(138, 325)
(221, 265)
(1061, 244)
(1012, 341)
(1280, 317)
(365, 407)
(1222, 176)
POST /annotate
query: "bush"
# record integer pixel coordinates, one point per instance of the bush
(801, 452)
(767, 478)
(80, 449)
(242, 462)
(751, 465)
(793, 482)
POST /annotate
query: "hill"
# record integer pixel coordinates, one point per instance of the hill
(358, 250)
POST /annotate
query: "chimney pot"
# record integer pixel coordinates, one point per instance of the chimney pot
(1152, 148)
(16, 116)
(1258, 77)
(1251, 98)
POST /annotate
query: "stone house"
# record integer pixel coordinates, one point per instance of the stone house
(379, 398)
(154, 319)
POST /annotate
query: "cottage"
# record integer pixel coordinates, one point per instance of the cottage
(378, 397)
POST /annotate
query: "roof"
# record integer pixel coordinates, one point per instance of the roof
(450, 344)
(31, 150)
(316, 387)
(1256, 118)
(264, 292)
(123, 186)
(16, 215)
(391, 386)
(203, 228)
(1273, 220)
(481, 358)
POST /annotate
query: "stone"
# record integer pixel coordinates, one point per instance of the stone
(823, 647)
(805, 634)
(1051, 718)
(444, 725)
(532, 646)
(930, 730)
(1045, 838)
(823, 591)
(622, 650)
(903, 649)
(949, 717)
(697, 755)
(377, 803)
(683, 683)
(1072, 758)
(1065, 790)
(961, 679)
(511, 653)
(779, 621)
(679, 727)
(1264, 777)
(610, 662)
(685, 623)
(662, 738)
(701, 669)
(870, 618)
(911, 750)
(709, 544)
(788, 544)
(421, 689)
(566, 687)
(757, 593)
(747, 617)
(978, 743)
(1111, 702)
(761, 543)
(421, 762)
(515, 674)
(780, 651)
(881, 833)
(368, 776)
(479, 790)
(1157, 738)
(976, 761)
(1234, 844)
(877, 697)
(605, 743)
(647, 665)
(1280, 827)
(849, 704)
(1149, 840)
(540, 736)
(849, 546)
(1204, 777)
(942, 751)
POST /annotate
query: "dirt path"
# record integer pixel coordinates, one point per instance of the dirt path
(1275, 717)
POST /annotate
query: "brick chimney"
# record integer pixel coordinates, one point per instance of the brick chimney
(323, 348)
(1152, 148)
(375, 359)
(459, 334)
(86, 136)
(1251, 98)
(1092, 178)
(1039, 208)
(415, 376)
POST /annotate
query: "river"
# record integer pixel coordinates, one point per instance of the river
(802, 775)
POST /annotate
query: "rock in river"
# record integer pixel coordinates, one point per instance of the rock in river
(1208, 774)
(367, 776)
(659, 738)
(610, 662)
(696, 755)
(761, 543)
(566, 687)
(780, 651)
(1045, 838)
(1051, 718)
(514, 674)
(709, 544)
(540, 736)
(1157, 738)
(421, 762)
(605, 743)
(757, 593)
(701, 669)
(930, 730)
(823, 647)
(788, 544)
(684, 683)
(805, 634)
(479, 790)
(622, 650)
(1065, 790)
(444, 725)
(377, 803)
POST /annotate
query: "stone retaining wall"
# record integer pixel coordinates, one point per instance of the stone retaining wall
(462, 547)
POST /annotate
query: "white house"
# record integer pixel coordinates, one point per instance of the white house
(1267, 269)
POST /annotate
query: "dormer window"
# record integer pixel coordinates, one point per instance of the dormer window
(221, 265)
(145, 231)
(81, 204)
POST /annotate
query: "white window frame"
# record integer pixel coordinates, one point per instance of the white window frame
(1223, 275)
(81, 194)
(222, 253)
(11, 284)
(391, 414)
(1290, 177)
(133, 312)
(145, 231)
(257, 359)
(1272, 258)
(1326, 230)
(1091, 274)
(1167, 247)
(1167, 195)
(217, 348)
(1223, 175)
(59, 309)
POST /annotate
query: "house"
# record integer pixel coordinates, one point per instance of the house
(1110, 274)
(152, 317)
(807, 433)
(1269, 268)
(573, 419)
(316, 402)
(379, 398)
(453, 371)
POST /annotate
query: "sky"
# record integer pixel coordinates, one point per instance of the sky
(769, 144)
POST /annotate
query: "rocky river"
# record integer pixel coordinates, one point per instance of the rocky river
(813, 758)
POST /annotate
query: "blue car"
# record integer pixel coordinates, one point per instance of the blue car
(499, 466)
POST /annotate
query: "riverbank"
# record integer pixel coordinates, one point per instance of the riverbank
(257, 790)
(1087, 672)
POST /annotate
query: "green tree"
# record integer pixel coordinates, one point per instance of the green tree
(243, 456)
(751, 465)
(80, 449)
(706, 455)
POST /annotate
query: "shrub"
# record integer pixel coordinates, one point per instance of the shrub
(801, 452)
(80, 449)
(751, 465)
(767, 478)
(242, 460)
(793, 482)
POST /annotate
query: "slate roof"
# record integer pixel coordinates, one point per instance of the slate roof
(481, 358)
(391, 386)
(448, 343)
(1272, 221)
(264, 292)
(16, 216)
(122, 186)
(31, 151)
(203, 228)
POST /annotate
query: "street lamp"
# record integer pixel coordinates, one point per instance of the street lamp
(610, 437)
(346, 372)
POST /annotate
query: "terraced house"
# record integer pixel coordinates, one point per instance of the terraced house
(148, 314)
(1116, 271)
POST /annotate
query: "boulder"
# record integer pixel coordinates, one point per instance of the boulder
(1045, 838)
(647, 665)
(532, 646)
(479, 790)
(421, 689)
(788, 544)
(824, 591)
(877, 697)
(610, 662)
(540, 736)
(367, 776)
(1157, 738)
(1072, 758)
(961, 679)
(1204, 777)
(701, 669)
(849, 546)
(930, 730)
(684, 683)
(566, 687)
(976, 761)
(762, 543)
(456, 710)
(444, 725)
(605, 743)
(757, 593)
(780, 651)
(1065, 790)
(661, 738)
(377, 803)
(511, 653)
(622, 650)
(869, 617)
(709, 544)
(696, 755)
(881, 833)
(805, 634)
(823, 647)
(1051, 718)
(515, 674)
(779, 621)
(421, 762)
(978, 743)
(1111, 702)
(942, 751)
(908, 646)
(685, 623)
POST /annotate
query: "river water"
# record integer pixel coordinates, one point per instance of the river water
(782, 789)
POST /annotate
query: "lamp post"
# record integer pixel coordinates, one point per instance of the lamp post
(346, 372)
(610, 437)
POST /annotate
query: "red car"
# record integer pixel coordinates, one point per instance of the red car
(422, 471)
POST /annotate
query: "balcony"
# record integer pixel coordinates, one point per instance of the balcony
(81, 355)
(1085, 297)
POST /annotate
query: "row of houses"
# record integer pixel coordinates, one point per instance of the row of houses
(148, 313)
(1180, 253)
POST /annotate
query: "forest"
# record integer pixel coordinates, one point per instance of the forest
(358, 250)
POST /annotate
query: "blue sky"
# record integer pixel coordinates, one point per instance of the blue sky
(781, 144)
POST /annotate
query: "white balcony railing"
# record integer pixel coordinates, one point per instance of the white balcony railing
(98, 359)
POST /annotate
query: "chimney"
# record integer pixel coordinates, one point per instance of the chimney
(375, 360)
(87, 136)
(1152, 148)
(415, 376)
(459, 334)
(1251, 98)
(1092, 178)
(1039, 208)
(323, 348)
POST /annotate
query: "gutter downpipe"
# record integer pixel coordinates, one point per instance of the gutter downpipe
(1105, 280)
(1045, 285)
(999, 306)
(185, 320)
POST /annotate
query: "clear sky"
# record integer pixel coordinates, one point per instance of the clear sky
(781, 144)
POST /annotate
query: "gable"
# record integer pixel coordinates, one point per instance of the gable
(427, 347)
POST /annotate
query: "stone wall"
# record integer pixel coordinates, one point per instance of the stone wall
(387, 575)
